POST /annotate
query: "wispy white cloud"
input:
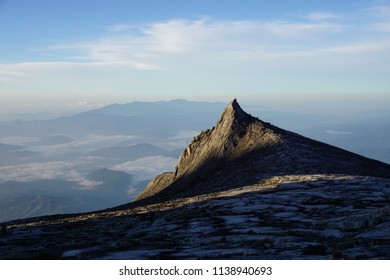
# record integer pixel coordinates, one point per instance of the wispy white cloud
(120, 27)
(181, 139)
(357, 48)
(180, 36)
(298, 30)
(336, 132)
(29, 69)
(87, 105)
(6, 72)
(322, 16)
(183, 36)
(361, 47)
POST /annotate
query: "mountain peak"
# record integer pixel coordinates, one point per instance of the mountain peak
(236, 134)
(242, 150)
(234, 106)
(233, 114)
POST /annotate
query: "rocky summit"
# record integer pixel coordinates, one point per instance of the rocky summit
(242, 150)
(244, 189)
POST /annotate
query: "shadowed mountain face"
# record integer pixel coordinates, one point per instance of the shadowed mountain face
(242, 150)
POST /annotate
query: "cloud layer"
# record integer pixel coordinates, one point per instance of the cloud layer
(46, 171)
(147, 167)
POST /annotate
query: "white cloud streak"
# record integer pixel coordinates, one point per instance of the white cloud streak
(322, 16)
(181, 139)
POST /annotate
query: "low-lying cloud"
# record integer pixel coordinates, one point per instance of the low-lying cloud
(181, 139)
(85, 144)
(46, 171)
(147, 167)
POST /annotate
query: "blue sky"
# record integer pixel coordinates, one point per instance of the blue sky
(64, 55)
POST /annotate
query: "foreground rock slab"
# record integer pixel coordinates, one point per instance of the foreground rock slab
(286, 217)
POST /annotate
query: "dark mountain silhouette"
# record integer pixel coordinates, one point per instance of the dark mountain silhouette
(243, 150)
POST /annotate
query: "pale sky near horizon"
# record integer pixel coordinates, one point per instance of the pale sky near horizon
(62, 55)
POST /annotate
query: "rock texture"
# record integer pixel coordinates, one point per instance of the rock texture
(242, 190)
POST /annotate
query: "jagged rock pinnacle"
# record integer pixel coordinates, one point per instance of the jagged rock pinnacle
(234, 135)
(241, 150)
(233, 114)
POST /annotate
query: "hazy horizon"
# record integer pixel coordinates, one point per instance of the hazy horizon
(375, 107)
